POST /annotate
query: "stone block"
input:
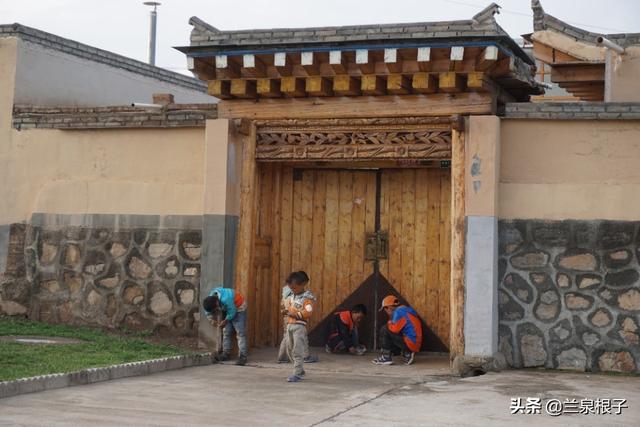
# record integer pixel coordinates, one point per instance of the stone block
(530, 260)
(95, 375)
(573, 358)
(601, 318)
(622, 279)
(576, 301)
(519, 287)
(616, 361)
(617, 259)
(578, 260)
(629, 300)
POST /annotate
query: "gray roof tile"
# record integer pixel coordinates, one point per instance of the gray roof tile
(483, 23)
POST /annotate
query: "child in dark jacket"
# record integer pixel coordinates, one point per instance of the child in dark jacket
(342, 331)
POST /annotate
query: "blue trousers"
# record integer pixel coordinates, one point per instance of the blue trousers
(237, 324)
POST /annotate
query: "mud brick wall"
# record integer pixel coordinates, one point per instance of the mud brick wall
(138, 279)
(569, 294)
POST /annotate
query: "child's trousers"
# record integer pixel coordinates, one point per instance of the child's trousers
(283, 353)
(297, 342)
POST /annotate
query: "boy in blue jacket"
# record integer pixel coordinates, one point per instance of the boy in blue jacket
(234, 308)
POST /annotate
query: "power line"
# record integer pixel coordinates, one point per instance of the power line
(516, 12)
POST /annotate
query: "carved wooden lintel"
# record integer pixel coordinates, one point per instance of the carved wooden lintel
(356, 139)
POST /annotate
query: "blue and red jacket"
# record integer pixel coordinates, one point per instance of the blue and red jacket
(405, 321)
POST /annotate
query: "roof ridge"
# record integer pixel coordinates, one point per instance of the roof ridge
(487, 14)
(543, 21)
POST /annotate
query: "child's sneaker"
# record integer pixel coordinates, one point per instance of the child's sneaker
(383, 359)
(408, 357)
(242, 360)
(327, 348)
(294, 379)
(312, 358)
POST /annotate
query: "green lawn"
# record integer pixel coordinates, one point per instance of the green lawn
(101, 349)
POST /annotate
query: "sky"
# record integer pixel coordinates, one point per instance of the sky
(122, 26)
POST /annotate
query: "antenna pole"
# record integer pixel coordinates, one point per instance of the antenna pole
(152, 31)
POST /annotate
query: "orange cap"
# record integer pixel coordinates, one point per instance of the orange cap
(389, 300)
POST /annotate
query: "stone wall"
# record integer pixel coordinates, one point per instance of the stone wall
(138, 279)
(569, 294)
(15, 289)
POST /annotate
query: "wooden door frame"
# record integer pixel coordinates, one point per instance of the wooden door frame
(327, 128)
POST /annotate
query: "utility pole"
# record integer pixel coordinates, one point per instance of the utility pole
(152, 31)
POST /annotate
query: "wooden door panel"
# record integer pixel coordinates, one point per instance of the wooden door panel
(331, 214)
(415, 209)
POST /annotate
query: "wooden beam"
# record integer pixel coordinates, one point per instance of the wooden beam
(451, 82)
(424, 83)
(269, 88)
(282, 64)
(423, 58)
(318, 86)
(363, 61)
(487, 58)
(219, 88)
(337, 62)
(372, 85)
(201, 68)
(346, 85)
(244, 271)
(549, 55)
(309, 63)
(456, 347)
(577, 73)
(479, 81)
(226, 68)
(252, 67)
(243, 88)
(398, 84)
(439, 104)
(457, 53)
(392, 62)
(292, 86)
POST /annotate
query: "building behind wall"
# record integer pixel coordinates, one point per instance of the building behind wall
(100, 220)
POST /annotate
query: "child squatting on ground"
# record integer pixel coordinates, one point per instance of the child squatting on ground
(283, 356)
(401, 335)
(342, 331)
(298, 310)
(234, 308)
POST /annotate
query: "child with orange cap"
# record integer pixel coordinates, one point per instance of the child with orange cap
(401, 335)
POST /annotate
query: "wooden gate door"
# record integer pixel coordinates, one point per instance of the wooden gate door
(415, 209)
(317, 220)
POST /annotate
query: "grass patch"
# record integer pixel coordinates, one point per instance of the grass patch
(101, 349)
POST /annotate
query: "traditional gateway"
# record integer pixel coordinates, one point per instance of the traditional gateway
(409, 159)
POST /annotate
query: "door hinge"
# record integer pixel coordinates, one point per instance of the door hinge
(376, 246)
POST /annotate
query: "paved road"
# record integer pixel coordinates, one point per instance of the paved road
(258, 395)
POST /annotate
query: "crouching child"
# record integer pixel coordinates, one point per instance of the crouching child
(342, 331)
(234, 308)
(401, 335)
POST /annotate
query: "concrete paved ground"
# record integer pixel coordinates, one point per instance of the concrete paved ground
(338, 391)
